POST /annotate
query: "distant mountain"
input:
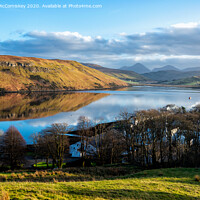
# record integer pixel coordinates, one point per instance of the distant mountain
(138, 68)
(191, 69)
(165, 68)
(36, 74)
(170, 75)
(117, 73)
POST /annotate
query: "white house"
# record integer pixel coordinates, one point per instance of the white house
(74, 150)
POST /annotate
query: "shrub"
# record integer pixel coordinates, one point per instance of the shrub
(197, 178)
(37, 173)
(43, 174)
(20, 176)
(3, 177)
(33, 175)
(13, 176)
(25, 174)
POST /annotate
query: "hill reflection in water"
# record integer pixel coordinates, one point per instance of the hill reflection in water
(35, 105)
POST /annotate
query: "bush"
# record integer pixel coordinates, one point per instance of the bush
(197, 178)
(4, 177)
(13, 176)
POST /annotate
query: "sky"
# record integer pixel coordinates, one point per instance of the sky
(118, 33)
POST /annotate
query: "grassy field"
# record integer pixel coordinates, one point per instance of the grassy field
(150, 184)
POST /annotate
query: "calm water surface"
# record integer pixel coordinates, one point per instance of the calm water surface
(33, 113)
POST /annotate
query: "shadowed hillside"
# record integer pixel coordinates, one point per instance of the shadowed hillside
(120, 74)
(170, 75)
(193, 81)
(35, 74)
(18, 106)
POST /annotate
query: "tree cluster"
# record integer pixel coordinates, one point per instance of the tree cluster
(148, 138)
(52, 143)
(159, 138)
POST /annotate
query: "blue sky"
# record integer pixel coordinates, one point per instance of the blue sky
(120, 33)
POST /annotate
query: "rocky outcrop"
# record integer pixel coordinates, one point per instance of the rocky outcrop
(15, 64)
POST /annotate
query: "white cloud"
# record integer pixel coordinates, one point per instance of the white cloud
(123, 34)
(179, 43)
(186, 25)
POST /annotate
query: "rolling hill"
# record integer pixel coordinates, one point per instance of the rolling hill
(120, 74)
(36, 74)
(138, 68)
(170, 75)
(194, 81)
(191, 69)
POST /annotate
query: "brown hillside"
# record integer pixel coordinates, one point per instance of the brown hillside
(25, 73)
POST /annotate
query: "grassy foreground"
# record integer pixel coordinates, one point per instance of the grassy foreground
(150, 184)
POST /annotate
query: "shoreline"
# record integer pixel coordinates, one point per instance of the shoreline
(57, 91)
(96, 89)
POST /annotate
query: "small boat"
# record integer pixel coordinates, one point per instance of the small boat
(190, 98)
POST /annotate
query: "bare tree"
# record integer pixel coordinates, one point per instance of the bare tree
(84, 127)
(99, 131)
(14, 147)
(126, 125)
(35, 138)
(55, 140)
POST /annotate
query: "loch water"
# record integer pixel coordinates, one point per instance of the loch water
(31, 113)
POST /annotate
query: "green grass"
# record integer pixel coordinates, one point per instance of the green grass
(150, 184)
(42, 165)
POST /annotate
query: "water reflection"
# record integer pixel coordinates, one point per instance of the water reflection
(99, 104)
(38, 105)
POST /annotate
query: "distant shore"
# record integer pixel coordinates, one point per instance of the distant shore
(52, 91)
(165, 85)
(113, 88)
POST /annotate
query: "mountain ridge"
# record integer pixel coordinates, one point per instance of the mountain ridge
(138, 68)
(165, 68)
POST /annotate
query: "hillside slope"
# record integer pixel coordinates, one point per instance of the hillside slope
(33, 74)
(170, 75)
(194, 80)
(120, 74)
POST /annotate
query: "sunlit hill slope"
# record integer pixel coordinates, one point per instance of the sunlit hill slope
(36, 74)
